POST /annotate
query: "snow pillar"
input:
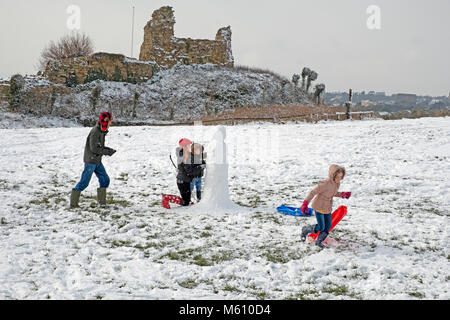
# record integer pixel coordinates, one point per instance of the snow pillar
(215, 196)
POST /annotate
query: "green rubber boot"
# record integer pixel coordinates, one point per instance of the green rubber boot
(74, 198)
(101, 197)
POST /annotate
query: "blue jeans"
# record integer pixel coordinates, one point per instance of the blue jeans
(197, 183)
(323, 222)
(89, 169)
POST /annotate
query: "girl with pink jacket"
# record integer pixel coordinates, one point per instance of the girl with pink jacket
(323, 196)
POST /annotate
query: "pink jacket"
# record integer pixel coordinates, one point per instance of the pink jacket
(325, 191)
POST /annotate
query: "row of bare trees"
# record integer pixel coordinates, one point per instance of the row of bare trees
(308, 76)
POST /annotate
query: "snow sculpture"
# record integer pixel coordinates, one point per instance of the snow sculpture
(216, 197)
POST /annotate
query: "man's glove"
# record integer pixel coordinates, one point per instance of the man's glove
(109, 151)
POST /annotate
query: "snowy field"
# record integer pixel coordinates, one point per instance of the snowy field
(393, 243)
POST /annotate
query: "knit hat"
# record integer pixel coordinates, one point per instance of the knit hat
(184, 142)
(105, 117)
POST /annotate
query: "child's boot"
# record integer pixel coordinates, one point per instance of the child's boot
(307, 230)
(322, 236)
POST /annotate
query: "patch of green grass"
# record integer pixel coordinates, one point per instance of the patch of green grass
(383, 210)
(229, 288)
(338, 290)
(205, 235)
(436, 212)
(123, 177)
(172, 256)
(222, 256)
(4, 185)
(242, 204)
(181, 255)
(201, 261)
(416, 295)
(307, 294)
(255, 201)
(188, 284)
(258, 293)
(122, 203)
(357, 276)
(381, 192)
(275, 257)
(60, 200)
(120, 243)
(147, 246)
(40, 202)
(155, 204)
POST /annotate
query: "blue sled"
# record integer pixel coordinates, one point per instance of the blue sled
(296, 212)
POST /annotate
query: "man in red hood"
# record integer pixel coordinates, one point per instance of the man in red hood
(94, 150)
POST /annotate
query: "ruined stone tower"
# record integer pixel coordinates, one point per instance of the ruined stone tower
(161, 46)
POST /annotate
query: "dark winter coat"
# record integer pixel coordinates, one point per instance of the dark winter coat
(95, 146)
(194, 168)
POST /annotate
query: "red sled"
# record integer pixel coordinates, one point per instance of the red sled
(336, 216)
(170, 198)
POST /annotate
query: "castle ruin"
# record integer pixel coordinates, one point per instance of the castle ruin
(161, 46)
(160, 50)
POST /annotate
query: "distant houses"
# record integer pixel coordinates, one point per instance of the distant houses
(405, 99)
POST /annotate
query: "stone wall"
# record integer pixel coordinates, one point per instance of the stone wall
(160, 44)
(103, 66)
(159, 49)
(4, 89)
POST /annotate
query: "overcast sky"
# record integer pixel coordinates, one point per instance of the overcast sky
(409, 53)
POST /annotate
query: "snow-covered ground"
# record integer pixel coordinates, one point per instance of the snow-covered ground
(393, 243)
(12, 120)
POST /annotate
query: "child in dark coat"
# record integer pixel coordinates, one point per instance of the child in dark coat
(199, 158)
(189, 168)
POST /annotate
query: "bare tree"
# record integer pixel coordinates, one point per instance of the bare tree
(312, 77)
(305, 74)
(295, 79)
(319, 94)
(72, 45)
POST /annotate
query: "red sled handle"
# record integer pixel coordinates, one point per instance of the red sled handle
(169, 198)
(336, 216)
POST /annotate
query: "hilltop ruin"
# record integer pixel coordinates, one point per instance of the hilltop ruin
(161, 46)
(160, 50)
